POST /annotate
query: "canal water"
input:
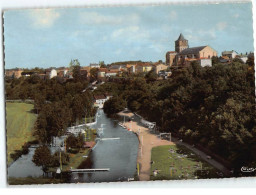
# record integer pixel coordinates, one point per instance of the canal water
(119, 155)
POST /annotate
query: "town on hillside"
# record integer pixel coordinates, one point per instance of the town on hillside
(181, 57)
(190, 117)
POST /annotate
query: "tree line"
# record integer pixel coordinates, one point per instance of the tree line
(58, 104)
(213, 107)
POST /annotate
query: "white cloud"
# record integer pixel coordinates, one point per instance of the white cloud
(131, 33)
(221, 25)
(43, 18)
(125, 31)
(173, 15)
(236, 15)
(95, 18)
(200, 35)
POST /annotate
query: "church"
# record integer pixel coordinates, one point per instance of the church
(184, 55)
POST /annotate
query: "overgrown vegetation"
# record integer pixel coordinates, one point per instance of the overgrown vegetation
(213, 107)
(58, 104)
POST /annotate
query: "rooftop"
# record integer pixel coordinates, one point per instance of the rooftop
(181, 38)
(191, 50)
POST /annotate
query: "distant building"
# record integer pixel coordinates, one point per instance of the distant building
(243, 57)
(131, 68)
(102, 73)
(118, 67)
(53, 73)
(13, 73)
(87, 68)
(99, 100)
(170, 58)
(143, 67)
(160, 67)
(94, 65)
(184, 55)
(111, 73)
(230, 54)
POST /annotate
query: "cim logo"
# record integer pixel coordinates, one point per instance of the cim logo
(248, 169)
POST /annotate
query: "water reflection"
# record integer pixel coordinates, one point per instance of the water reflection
(119, 155)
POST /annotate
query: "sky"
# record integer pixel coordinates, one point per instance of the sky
(52, 37)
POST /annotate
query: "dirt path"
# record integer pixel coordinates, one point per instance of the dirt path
(147, 142)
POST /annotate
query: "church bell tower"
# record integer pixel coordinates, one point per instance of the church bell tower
(181, 43)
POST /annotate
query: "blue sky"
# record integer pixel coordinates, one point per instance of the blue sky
(52, 37)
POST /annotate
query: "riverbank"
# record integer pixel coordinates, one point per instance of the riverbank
(20, 130)
(147, 142)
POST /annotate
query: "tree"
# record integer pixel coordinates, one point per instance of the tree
(215, 60)
(114, 105)
(77, 73)
(94, 73)
(39, 101)
(102, 64)
(151, 76)
(42, 157)
(73, 63)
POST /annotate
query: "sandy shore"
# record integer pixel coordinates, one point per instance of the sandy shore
(147, 142)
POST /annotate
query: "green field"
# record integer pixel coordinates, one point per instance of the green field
(177, 162)
(20, 124)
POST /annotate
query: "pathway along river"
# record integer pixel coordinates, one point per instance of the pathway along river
(119, 155)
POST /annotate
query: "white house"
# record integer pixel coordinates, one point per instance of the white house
(94, 65)
(53, 73)
(100, 100)
(231, 54)
(110, 73)
(205, 62)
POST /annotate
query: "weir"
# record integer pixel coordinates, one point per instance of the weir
(89, 170)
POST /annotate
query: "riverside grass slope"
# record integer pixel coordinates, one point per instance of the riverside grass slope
(184, 163)
(20, 123)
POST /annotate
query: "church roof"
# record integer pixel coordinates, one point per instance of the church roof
(181, 38)
(192, 50)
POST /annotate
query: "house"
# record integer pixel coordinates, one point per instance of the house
(159, 67)
(108, 96)
(13, 73)
(111, 73)
(102, 73)
(184, 55)
(94, 65)
(99, 100)
(51, 73)
(170, 57)
(87, 68)
(131, 68)
(143, 67)
(205, 62)
(242, 57)
(224, 59)
(118, 67)
(230, 54)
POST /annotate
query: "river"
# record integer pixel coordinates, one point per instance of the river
(119, 155)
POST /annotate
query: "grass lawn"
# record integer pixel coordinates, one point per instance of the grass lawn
(20, 123)
(177, 162)
(33, 180)
(76, 159)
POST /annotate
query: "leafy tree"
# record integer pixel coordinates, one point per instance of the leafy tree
(94, 73)
(151, 76)
(114, 105)
(43, 157)
(102, 64)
